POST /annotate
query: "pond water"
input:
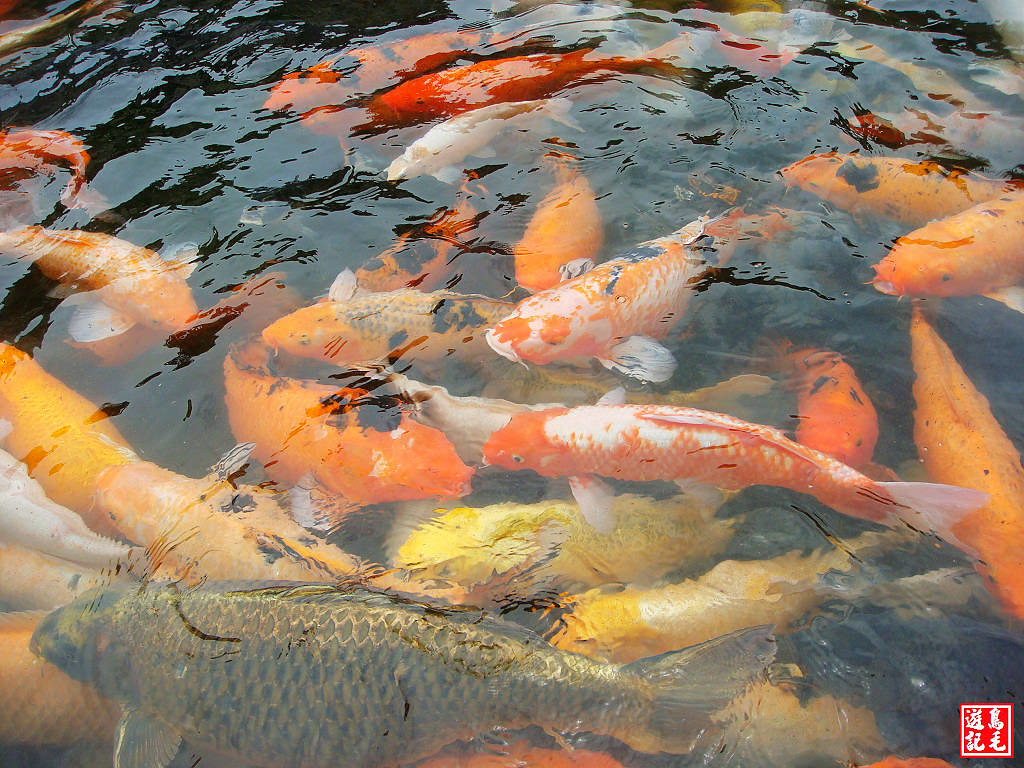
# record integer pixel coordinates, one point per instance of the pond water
(168, 98)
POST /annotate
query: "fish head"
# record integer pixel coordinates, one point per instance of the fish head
(812, 170)
(524, 443)
(551, 325)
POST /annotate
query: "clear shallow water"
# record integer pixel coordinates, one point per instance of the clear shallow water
(168, 99)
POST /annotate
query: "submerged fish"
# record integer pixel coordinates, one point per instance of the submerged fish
(522, 753)
(616, 312)
(127, 284)
(48, 27)
(317, 676)
(447, 144)
(30, 149)
(30, 580)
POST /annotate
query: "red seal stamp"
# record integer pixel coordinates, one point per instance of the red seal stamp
(986, 730)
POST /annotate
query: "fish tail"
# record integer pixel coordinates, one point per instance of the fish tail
(688, 686)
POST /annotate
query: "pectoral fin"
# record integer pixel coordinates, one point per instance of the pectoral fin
(144, 742)
(595, 500)
(1012, 296)
(449, 174)
(642, 358)
(93, 320)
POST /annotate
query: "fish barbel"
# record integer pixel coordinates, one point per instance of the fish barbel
(315, 675)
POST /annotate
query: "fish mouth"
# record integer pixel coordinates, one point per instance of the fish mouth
(503, 348)
(885, 287)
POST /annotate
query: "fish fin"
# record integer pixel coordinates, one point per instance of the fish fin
(233, 462)
(6, 427)
(729, 391)
(1012, 296)
(303, 510)
(688, 685)
(181, 258)
(642, 358)
(575, 268)
(121, 448)
(449, 174)
(558, 110)
(93, 320)
(144, 742)
(615, 396)
(344, 286)
(706, 494)
(933, 507)
(595, 500)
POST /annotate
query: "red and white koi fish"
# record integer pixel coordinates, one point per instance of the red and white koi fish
(652, 442)
(615, 312)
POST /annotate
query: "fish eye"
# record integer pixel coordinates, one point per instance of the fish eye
(517, 459)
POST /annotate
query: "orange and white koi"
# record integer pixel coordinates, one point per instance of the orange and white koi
(977, 251)
(835, 414)
(651, 442)
(29, 149)
(127, 284)
(616, 312)
(912, 193)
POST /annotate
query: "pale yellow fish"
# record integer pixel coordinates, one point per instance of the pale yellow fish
(30, 580)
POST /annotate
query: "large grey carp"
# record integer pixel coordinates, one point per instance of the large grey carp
(315, 676)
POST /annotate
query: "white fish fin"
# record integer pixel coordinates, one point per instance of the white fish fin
(934, 507)
(575, 268)
(642, 358)
(449, 174)
(314, 507)
(995, 77)
(615, 396)
(595, 501)
(1012, 296)
(181, 258)
(233, 461)
(707, 494)
(300, 498)
(344, 286)
(558, 110)
(6, 427)
(92, 320)
(122, 449)
(144, 742)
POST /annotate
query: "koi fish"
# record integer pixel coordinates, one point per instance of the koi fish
(40, 704)
(652, 537)
(48, 27)
(549, 251)
(652, 442)
(908, 192)
(30, 580)
(522, 753)
(357, 328)
(64, 439)
(29, 519)
(421, 258)
(518, 78)
(960, 441)
(618, 625)
(835, 415)
(127, 284)
(616, 312)
(29, 149)
(438, 152)
(356, 446)
(910, 762)
(974, 252)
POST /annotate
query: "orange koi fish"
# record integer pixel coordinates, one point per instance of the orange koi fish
(977, 251)
(39, 703)
(908, 192)
(520, 754)
(835, 415)
(32, 150)
(910, 762)
(421, 258)
(652, 442)
(961, 442)
(64, 439)
(517, 78)
(369, 327)
(352, 444)
(616, 312)
(127, 284)
(544, 255)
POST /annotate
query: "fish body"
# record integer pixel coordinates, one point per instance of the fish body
(133, 284)
(977, 251)
(960, 441)
(37, 150)
(375, 326)
(40, 704)
(517, 78)
(447, 144)
(522, 753)
(910, 762)
(835, 415)
(549, 244)
(912, 193)
(30, 519)
(366, 451)
(48, 28)
(615, 312)
(651, 442)
(64, 439)
(316, 676)
(30, 580)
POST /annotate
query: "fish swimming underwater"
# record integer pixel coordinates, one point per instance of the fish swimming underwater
(320, 676)
(651, 442)
(30, 580)
(127, 284)
(29, 149)
(616, 312)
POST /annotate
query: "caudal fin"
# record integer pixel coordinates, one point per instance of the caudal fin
(932, 507)
(689, 685)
